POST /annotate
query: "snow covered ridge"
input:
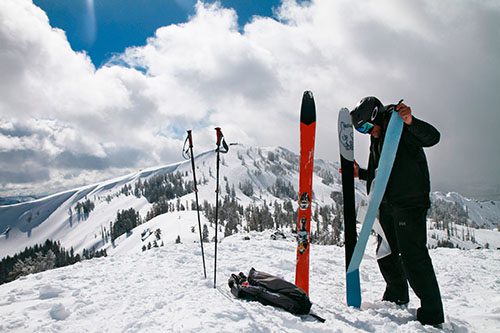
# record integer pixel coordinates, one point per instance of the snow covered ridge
(253, 176)
(481, 214)
(16, 199)
(163, 290)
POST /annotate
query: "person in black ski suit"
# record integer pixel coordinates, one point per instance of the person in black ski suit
(403, 210)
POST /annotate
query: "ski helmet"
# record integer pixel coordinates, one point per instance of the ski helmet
(367, 113)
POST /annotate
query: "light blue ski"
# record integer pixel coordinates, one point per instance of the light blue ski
(387, 156)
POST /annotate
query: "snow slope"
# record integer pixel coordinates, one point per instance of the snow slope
(163, 290)
(182, 224)
(33, 222)
(483, 213)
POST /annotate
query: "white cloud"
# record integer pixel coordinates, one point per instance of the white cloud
(442, 57)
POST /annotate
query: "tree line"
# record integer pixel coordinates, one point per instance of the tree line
(164, 187)
(41, 257)
(277, 214)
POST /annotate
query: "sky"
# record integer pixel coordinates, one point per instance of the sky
(96, 89)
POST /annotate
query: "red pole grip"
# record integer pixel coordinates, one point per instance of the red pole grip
(219, 136)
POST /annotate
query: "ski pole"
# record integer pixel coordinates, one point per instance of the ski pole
(220, 141)
(219, 136)
(189, 139)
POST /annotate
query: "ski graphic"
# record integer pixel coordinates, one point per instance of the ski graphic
(346, 148)
(307, 135)
(387, 156)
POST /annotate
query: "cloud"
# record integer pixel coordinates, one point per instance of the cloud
(87, 123)
(24, 175)
(90, 27)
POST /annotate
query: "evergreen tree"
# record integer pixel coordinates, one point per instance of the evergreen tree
(158, 233)
(246, 187)
(205, 234)
(126, 220)
(37, 258)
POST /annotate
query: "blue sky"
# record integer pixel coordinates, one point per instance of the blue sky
(118, 24)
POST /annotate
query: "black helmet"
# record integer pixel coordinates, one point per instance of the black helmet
(368, 112)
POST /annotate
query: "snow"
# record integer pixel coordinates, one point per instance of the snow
(48, 291)
(171, 225)
(59, 312)
(163, 290)
(34, 222)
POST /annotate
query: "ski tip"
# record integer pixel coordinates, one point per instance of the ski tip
(308, 94)
(353, 289)
(308, 109)
(345, 116)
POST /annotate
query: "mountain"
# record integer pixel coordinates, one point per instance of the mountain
(16, 199)
(480, 213)
(255, 171)
(258, 191)
(152, 279)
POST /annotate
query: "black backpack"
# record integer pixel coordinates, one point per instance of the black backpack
(270, 290)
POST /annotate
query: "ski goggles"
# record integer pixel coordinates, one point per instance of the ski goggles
(365, 128)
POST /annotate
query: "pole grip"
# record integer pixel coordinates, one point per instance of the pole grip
(190, 138)
(219, 135)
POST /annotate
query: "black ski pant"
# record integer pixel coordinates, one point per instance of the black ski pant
(409, 260)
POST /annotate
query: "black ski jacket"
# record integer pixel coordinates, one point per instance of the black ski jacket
(409, 183)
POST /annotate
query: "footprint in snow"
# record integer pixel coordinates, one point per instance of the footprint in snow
(48, 291)
(59, 312)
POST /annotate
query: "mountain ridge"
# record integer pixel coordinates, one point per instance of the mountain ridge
(270, 174)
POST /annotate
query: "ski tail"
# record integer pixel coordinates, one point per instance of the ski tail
(353, 287)
(307, 136)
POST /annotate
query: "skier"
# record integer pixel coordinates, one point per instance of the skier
(403, 210)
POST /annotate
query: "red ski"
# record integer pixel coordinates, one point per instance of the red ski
(307, 135)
